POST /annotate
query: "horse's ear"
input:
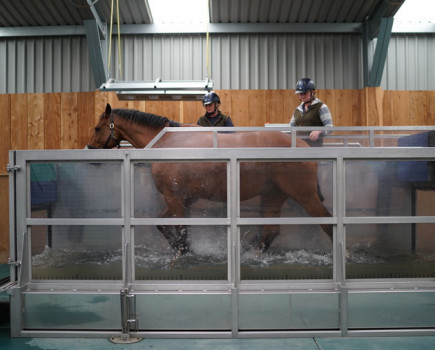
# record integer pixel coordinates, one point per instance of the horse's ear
(108, 109)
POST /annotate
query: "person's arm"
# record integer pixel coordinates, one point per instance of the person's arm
(229, 122)
(325, 117)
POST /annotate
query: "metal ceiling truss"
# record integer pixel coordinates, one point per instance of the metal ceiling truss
(378, 27)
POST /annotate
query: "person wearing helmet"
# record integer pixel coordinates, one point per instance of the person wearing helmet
(311, 112)
(213, 116)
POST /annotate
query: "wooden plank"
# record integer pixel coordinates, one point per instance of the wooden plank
(226, 97)
(401, 108)
(35, 120)
(4, 219)
(137, 105)
(417, 107)
(274, 111)
(343, 115)
(171, 110)
(329, 98)
(154, 107)
(430, 115)
(18, 121)
(373, 104)
(52, 121)
(191, 111)
(5, 131)
(290, 102)
(257, 107)
(112, 99)
(85, 117)
(68, 124)
(101, 100)
(240, 107)
(358, 109)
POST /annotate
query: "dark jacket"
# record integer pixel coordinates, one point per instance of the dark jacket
(219, 120)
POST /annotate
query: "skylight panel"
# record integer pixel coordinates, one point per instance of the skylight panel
(416, 11)
(179, 11)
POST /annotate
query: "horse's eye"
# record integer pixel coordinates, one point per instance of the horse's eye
(97, 129)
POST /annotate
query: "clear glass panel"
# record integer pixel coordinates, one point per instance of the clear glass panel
(347, 139)
(299, 252)
(288, 311)
(76, 189)
(207, 258)
(391, 310)
(390, 251)
(286, 189)
(404, 138)
(386, 188)
(191, 184)
(76, 252)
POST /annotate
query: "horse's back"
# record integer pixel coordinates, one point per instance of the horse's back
(230, 139)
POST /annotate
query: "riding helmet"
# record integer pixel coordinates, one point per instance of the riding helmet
(210, 98)
(304, 85)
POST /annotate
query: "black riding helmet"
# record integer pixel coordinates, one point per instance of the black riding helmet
(304, 85)
(210, 98)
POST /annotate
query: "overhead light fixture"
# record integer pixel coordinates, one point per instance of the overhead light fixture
(159, 90)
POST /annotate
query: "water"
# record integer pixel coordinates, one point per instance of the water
(146, 257)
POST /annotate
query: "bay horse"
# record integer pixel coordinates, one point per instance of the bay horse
(182, 184)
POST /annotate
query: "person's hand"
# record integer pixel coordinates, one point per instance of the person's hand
(314, 135)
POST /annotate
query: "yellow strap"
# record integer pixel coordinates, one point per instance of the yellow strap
(207, 63)
(110, 36)
(119, 41)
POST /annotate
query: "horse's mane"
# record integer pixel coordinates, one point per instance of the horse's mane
(147, 119)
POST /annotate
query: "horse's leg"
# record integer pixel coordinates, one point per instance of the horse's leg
(177, 235)
(271, 203)
(303, 188)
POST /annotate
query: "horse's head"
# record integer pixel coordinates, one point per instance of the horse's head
(104, 133)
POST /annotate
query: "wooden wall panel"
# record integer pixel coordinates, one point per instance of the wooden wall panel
(5, 132)
(190, 111)
(68, 121)
(52, 133)
(240, 108)
(85, 117)
(257, 108)
(417, 107)
(19, 135)
(171, 110)
(358, 109)
(373, 100)
(275, 108)
(226, 97)
(430, 110)
(35, 121)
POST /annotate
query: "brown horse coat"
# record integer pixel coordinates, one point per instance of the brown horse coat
(183, 183)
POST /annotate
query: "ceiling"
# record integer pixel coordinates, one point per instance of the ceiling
(41, 13)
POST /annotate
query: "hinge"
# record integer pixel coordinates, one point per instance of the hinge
(15, 263)
(11, 168)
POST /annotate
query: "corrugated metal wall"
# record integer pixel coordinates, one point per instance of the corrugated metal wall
(237, 61)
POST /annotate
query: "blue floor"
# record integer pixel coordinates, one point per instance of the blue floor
(366, 343)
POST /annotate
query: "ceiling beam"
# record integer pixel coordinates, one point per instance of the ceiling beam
(97, 16)
(96, 49)
(217, 28)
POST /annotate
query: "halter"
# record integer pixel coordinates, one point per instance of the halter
(111, 136)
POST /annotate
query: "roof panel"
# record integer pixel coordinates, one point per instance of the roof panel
(19, 13)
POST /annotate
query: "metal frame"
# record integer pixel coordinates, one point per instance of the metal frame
(234, 288)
